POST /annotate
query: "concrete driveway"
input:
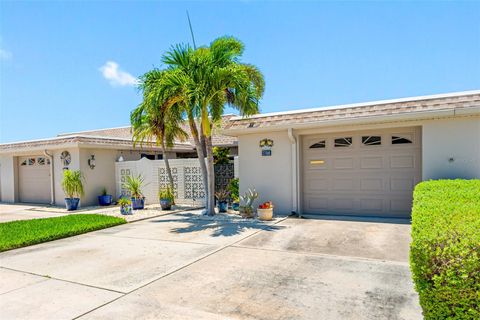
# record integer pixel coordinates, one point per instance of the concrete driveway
(182, 266)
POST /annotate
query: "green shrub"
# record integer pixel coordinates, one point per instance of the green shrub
(445, 248)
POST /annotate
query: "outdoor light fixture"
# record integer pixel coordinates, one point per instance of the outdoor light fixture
(91, 162)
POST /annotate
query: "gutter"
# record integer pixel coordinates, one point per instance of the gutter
(52, 178)
(293, 141)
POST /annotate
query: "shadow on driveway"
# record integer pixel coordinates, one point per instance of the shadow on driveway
(221, 226)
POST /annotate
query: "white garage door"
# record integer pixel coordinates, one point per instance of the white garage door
(34, 179)
(369, 173)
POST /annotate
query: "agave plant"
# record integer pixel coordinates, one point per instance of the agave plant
(248, 199)
(134, 184)
(72, 183)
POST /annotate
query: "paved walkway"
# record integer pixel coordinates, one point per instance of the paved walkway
(184, 266)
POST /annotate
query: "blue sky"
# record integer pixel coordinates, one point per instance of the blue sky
(311, 53)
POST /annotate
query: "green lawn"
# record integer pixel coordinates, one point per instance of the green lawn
(24, 233)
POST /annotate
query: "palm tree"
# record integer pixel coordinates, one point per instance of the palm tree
(200, 83)
(209, 78)
(157, 119)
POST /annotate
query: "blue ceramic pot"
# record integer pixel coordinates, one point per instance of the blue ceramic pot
(235, 206)
(138, 203)
(105, 200)
(222, 206)
(126, 210)
(166, 204)
(72, 203)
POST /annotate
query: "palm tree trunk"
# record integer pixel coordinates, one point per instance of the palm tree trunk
(211, 177)
(201, 155)
(167, 167)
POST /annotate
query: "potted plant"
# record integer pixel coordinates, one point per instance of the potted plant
(134, 186)
(105, 199)
(233, 187)
(222, 200)
(247, 209)
(72, 185)
(166, 197)
(265, 211)
(125, 206)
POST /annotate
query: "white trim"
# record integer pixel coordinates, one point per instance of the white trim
(360, 104)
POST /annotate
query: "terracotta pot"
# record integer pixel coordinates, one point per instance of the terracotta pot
(265, 214)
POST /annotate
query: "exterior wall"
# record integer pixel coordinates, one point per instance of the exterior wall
(102, 176)
(271, 175)
(8, 167)
(451, 148)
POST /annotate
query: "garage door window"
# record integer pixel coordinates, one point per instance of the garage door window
(401, 140)
(372, 140)
(40, 161)
(343, 142)
(318, 145)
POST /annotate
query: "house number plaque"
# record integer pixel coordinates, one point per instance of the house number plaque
(266, 146)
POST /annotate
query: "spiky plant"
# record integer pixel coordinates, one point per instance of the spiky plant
(72, 183)
(134, 184)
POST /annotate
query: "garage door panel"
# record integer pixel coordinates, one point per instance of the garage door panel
(402, 161)
(34, 179)
(362, 179)
(343, 163)
(377, 162)
(372, 205)
(369, 184)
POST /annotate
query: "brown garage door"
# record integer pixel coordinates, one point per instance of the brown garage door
(34, 179)
(369, 173)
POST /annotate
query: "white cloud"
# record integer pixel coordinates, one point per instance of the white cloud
(116, 76)
(4, 54)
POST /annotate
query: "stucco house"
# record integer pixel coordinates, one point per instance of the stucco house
(358, 159)
(31, 171)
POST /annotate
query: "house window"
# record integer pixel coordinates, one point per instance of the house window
(24, 163)
(31, 161)
(343, 142)
(401, 140)
(148, 156)
(41, 161)
(372, 140)
(318, 145)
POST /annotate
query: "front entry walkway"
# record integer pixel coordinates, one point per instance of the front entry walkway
(182, 266)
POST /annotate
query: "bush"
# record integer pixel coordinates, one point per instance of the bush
(445, 248)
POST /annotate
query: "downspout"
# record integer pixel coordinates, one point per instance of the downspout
(52, 178)
(293, 141)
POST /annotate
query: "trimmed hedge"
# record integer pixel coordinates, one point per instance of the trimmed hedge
(445, 248)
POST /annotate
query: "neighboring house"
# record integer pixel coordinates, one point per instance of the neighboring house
(358, 159)
(31, 171)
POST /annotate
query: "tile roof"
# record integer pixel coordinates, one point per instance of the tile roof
(125, 132)
(120, 137)
(356, 111)
(79, 139)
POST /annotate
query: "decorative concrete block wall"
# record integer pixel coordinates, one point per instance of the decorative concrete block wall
(187, 177)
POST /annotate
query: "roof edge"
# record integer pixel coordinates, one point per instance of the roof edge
(360, 104)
